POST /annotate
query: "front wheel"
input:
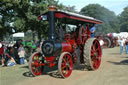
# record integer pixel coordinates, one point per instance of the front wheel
(65, 64)
(92, 54)
(35, 66)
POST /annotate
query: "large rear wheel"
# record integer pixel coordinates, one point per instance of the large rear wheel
(35, 66)
(92, 54)
(84, 34)
(65, 64)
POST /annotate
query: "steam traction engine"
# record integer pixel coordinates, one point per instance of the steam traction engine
(65, 46)
(110, 41)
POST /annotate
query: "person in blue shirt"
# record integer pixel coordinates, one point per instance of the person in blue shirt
(92, 30)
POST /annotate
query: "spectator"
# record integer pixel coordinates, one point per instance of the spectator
(2, 54)
(6, 55)
(101, 44)
(21, 54)
(37, 44)
(16, 47)
(11, 62)
(92, 30)
(126, 46)
(121, 42)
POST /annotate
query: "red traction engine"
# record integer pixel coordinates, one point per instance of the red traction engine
(65, 46)
(109, 41)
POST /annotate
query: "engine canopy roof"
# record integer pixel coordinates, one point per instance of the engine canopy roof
(74, 18)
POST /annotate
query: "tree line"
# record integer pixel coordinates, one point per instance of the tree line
(111, 22)
(21, 15)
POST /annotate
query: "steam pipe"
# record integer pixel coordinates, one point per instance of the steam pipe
(52, 25)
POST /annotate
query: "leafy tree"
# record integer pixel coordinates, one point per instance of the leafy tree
(124, 20)
(21, 15)
(5, 18)
(110, 20)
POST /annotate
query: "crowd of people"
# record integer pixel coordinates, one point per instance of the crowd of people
(10, 56)
(6, 58)
(123, 42)
(15, 54)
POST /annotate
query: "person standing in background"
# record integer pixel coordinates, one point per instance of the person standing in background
(21, 54)
(126, 45)
(121, 42)
(92, 30)
(2, 54)
(101, 44)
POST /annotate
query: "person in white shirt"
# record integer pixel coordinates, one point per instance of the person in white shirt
(121, 42)
(101, 43)
(21, 54)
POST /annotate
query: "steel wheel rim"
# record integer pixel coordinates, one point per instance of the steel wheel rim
(36, 68)
(95, 54)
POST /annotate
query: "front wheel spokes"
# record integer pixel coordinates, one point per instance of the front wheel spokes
(37, 61)
(68, 59)
(37, 70)
(65, 64)
(36, 57)
(35, 66)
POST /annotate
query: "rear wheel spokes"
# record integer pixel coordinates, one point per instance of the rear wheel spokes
(95, 55)
(83, 33)
(84, 37)
(92, 54)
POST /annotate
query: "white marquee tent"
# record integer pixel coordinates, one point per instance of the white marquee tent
(20, 34)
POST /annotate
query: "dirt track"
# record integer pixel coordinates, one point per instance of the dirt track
(113, 71)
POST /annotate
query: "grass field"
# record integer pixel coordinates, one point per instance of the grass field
(11, 75)
(113, 71)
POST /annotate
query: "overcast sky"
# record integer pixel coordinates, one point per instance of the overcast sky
(113, 5)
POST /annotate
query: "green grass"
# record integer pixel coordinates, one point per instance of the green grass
(12, 75)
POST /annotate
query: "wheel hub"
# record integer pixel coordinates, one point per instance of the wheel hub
(95, 54)
(67, 64)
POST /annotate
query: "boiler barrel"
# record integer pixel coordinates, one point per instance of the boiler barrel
(51, 48)
(66, 47)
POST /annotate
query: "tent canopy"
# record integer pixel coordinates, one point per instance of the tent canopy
(20, 34)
